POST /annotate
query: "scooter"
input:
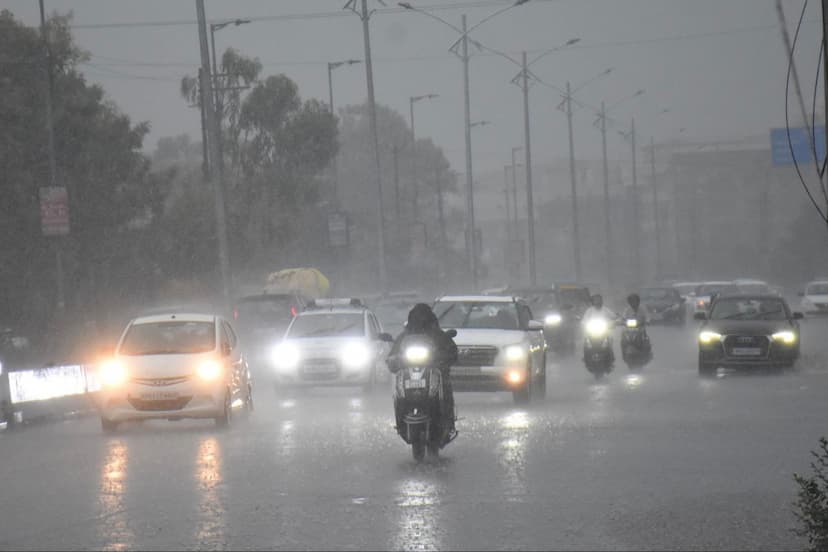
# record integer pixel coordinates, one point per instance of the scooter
(419, 404)
(598, 355)
(636, 348)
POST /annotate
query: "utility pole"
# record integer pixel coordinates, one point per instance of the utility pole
(334, 170)
(576, 243)
(607, 218)
(396, 151)
(441, 219)
(516, 231)
(215, 150)
(365, 16)
(530, 204)
(508, 203)
(53, 176)
(636, 245)
(471, 245)
(415, 188)
(205, 155)
(655, 211)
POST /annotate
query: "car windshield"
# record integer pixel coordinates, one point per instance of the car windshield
(477, 315)
(684, 289)
(574, 296)
(817, 289)
(538, 299)
(328, 325)
(169, 338)
(741, 308)
(658, 294)
(753, 288)
(710, 289)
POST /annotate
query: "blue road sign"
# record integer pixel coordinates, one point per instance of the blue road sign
(781, 150)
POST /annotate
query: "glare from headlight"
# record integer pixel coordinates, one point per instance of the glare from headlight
(417, 354)
(113, 373)
(355, 355)
(514, 353)
(632, 323)
(707, 337)
(285, 356)
(208, 370)
(514, 376)
(597, 327)
(787, 337)
(553, 319)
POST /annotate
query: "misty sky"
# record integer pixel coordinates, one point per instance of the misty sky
(726, 84)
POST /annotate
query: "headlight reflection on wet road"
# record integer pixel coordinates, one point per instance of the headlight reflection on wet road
(114, 531)
(419, 524)
(512, 454)
(211, 512)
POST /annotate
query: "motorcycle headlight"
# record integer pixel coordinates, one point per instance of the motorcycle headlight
(417, 354)
(706, 337)
(113, 373)
(553, 319)
(355, 355)
(285, 356)
(597, 327)
(514, 353)
(787, 337)
(632, 323)
(208, 370)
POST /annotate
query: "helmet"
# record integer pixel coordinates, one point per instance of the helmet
(634, 300)
(421, 319)
(597, 301)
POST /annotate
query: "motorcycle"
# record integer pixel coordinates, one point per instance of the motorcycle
(636, 348)
(419, 404)
(598, 355)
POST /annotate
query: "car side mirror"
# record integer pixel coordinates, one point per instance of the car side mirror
(386, 337)
(798, 316)
(700, 316)
(534, 326)
(801, 294)
(567, 307)
(683, 299)
(451, 333)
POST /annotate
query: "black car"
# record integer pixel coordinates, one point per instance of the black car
(559, 308)
(664, 304)
(748, 331)
(262, 319)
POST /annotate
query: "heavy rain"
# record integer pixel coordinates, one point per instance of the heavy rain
(426, 275)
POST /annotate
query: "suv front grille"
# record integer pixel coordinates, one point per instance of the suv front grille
(733, 343)
(476, 356)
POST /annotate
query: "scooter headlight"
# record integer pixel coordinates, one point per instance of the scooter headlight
(632, 323)
(417, 354)
(597, 327)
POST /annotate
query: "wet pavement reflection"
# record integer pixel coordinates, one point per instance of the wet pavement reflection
(114, 531)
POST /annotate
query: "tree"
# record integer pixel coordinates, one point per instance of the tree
(99, 161)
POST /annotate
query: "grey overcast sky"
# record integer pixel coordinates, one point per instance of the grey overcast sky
(718, 65)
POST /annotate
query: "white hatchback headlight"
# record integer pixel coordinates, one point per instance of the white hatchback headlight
(113, 373)
(355, 355)
(285, 356)
(208, 370)
(514, 353)
(553, 319)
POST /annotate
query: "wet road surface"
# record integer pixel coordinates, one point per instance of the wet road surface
(658, 460)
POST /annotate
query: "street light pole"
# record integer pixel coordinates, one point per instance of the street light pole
(471, 244)
(576, 244)
(334, 171)
(527, 146)
(514, 191)
(636, 230)
(607, 219)
(655, 211)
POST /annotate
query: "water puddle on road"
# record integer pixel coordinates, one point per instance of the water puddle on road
(419, 522)
(209, 530)
(114, 532)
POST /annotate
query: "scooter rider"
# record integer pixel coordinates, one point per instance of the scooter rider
(422, 321)
(638, 312)
(598, 310)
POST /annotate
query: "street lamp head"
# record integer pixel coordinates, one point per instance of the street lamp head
(608, 70)
(639, 92)
(238, 22)
(572, 41)
(520, 2)
(405, 5)
(353, 61)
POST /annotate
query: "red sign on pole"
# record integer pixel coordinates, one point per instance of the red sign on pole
(54, 211)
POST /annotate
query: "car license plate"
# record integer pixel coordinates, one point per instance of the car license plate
(746, 351)
(320, 369)
(415, 384)
(158, 396)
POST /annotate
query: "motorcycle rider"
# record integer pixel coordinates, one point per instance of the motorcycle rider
(423, 321)
(598, 310)
(638, 312)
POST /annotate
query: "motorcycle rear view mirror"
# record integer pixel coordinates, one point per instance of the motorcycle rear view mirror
(567, 307)
(451, 333)
(534, 326)
(798, 316)
(387, 337)
(700, 316)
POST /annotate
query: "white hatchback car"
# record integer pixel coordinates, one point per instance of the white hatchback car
(333, 343)
(815, 297)
(175, 366)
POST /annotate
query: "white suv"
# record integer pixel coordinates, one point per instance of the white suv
(815, 297)
(175, 366)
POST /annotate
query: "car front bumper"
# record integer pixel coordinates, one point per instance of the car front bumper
(189, 399)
